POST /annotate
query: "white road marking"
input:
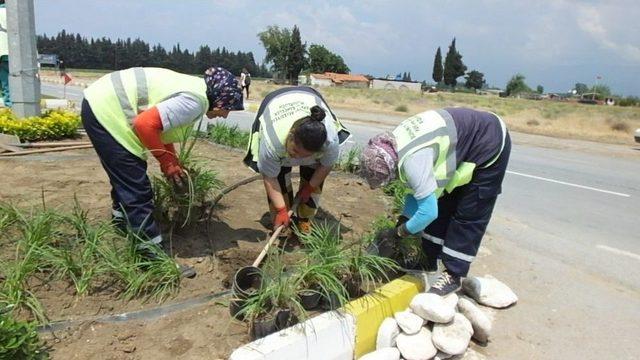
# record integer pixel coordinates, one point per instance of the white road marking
(619, 252)
(569, 184)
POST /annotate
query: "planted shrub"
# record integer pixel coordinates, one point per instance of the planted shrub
(52, 125)
(402, 108)
(19, 339)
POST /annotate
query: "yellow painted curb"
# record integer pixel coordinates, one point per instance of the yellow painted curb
(369, 311)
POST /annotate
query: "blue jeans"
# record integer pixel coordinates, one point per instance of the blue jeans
(131, 191)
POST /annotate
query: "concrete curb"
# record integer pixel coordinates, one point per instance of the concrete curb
(345, 334)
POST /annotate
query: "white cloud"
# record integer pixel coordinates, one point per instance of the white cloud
(598, 23)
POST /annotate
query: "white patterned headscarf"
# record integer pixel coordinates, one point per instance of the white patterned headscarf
(379, 160)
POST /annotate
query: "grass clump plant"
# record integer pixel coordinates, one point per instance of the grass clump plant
(184, 205)
(54, 246)
(223, 134)
(350, 161)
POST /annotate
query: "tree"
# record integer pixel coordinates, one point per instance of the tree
(601, 91)
(581, 88)
(540, 89)
(409, 76)
(296, 59)
(437, 67)
(475, 80)
(453, 65)
(276, 44)
(322, 60)
(517, 85)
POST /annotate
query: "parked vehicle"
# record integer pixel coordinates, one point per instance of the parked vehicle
(637, 135)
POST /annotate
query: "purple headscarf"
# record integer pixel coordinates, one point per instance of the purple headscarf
(223, 91)
(379, 160)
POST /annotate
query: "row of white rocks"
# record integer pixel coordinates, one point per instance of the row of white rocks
(435, 327)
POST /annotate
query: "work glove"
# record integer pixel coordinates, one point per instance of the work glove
(172, 170)
(282, 218)
(305, 193)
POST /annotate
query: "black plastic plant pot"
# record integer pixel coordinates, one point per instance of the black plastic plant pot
(283, 319)
(354, 288)
(263, 327)
(310, 299)
(331, 303)
(246, 282)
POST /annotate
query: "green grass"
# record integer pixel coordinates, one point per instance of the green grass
(223, 134)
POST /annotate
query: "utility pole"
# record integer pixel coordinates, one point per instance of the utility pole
(23, 80)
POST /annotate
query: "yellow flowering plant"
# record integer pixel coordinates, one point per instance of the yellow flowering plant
(52, 125)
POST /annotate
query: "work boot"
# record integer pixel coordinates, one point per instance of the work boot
(446, 284)
(150, 251)
(304, 225)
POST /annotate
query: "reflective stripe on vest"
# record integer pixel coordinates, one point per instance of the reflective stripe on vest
(430, 139)
(117, 98)
(274, 128)
(277, 137)
(142, 92)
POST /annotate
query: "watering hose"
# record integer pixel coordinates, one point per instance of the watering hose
(146, 314)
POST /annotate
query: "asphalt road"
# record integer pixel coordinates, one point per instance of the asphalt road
(570, 212)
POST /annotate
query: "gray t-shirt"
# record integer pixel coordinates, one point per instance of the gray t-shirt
(180, 110)
(270, 163)
(418, 169)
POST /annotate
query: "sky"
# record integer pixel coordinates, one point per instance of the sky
(552, 43)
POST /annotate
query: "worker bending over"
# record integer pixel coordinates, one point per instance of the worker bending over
(294, 127)
(130, 113)
(453, 160)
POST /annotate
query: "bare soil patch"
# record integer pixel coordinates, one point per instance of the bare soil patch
(236, 233)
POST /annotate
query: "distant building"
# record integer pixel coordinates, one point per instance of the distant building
(335, 79)
(396, 85)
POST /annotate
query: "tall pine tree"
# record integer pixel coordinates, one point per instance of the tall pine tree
(437, 67)
(453, 65)
(296, 56)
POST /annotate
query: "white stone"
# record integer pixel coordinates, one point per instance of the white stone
(479, 320)
(442, 356)
(418, 346)
(389, 353)
(453, 338)
(451, 300)
(432, 307)
(387, 333)
(489, 291)
(409, 322)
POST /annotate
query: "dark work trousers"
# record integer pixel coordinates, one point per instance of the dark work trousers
(463, 216)
(131, 191)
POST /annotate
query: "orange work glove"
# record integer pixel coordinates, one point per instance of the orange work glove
(282, 218)
(305, 193)
(171, 169)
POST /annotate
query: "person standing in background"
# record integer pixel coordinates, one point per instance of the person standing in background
(4, 56)
(245, 80)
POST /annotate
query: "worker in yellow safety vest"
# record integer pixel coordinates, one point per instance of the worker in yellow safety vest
(294, 126)
(130, 113)
(453, 160)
